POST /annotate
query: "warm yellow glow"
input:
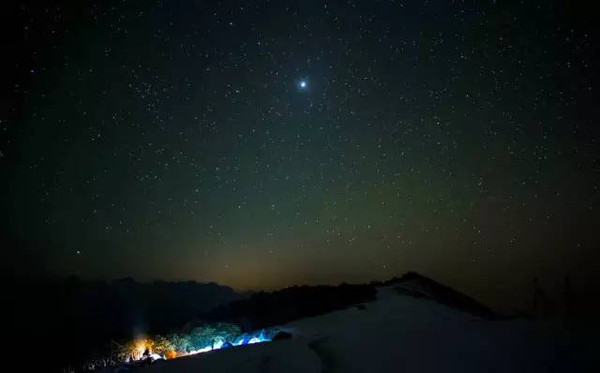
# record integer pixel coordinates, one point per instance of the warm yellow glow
(139, 347)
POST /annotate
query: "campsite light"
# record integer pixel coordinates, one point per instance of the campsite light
(140, 345)
(240, 341)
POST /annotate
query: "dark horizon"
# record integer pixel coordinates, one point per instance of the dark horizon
(513, 301)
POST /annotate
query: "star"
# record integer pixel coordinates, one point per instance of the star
(303, 84)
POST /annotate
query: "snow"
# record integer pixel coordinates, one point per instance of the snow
(288, 356)
(395, 333)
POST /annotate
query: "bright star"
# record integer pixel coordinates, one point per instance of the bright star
(303, 84)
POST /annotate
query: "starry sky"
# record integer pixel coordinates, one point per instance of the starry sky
(262, 144)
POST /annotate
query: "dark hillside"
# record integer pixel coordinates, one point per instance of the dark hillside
(263, 310)
(67, 321)
(416, 285)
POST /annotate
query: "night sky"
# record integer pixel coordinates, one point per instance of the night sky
(262, 144)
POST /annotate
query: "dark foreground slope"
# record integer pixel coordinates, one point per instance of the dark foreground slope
(64, 322)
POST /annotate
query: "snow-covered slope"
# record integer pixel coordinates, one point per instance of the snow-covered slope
(396, 333)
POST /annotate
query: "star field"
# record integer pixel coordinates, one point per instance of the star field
(272, 143)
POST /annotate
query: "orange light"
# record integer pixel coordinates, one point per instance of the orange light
(171, 354)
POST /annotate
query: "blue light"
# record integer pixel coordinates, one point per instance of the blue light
(244, 339)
